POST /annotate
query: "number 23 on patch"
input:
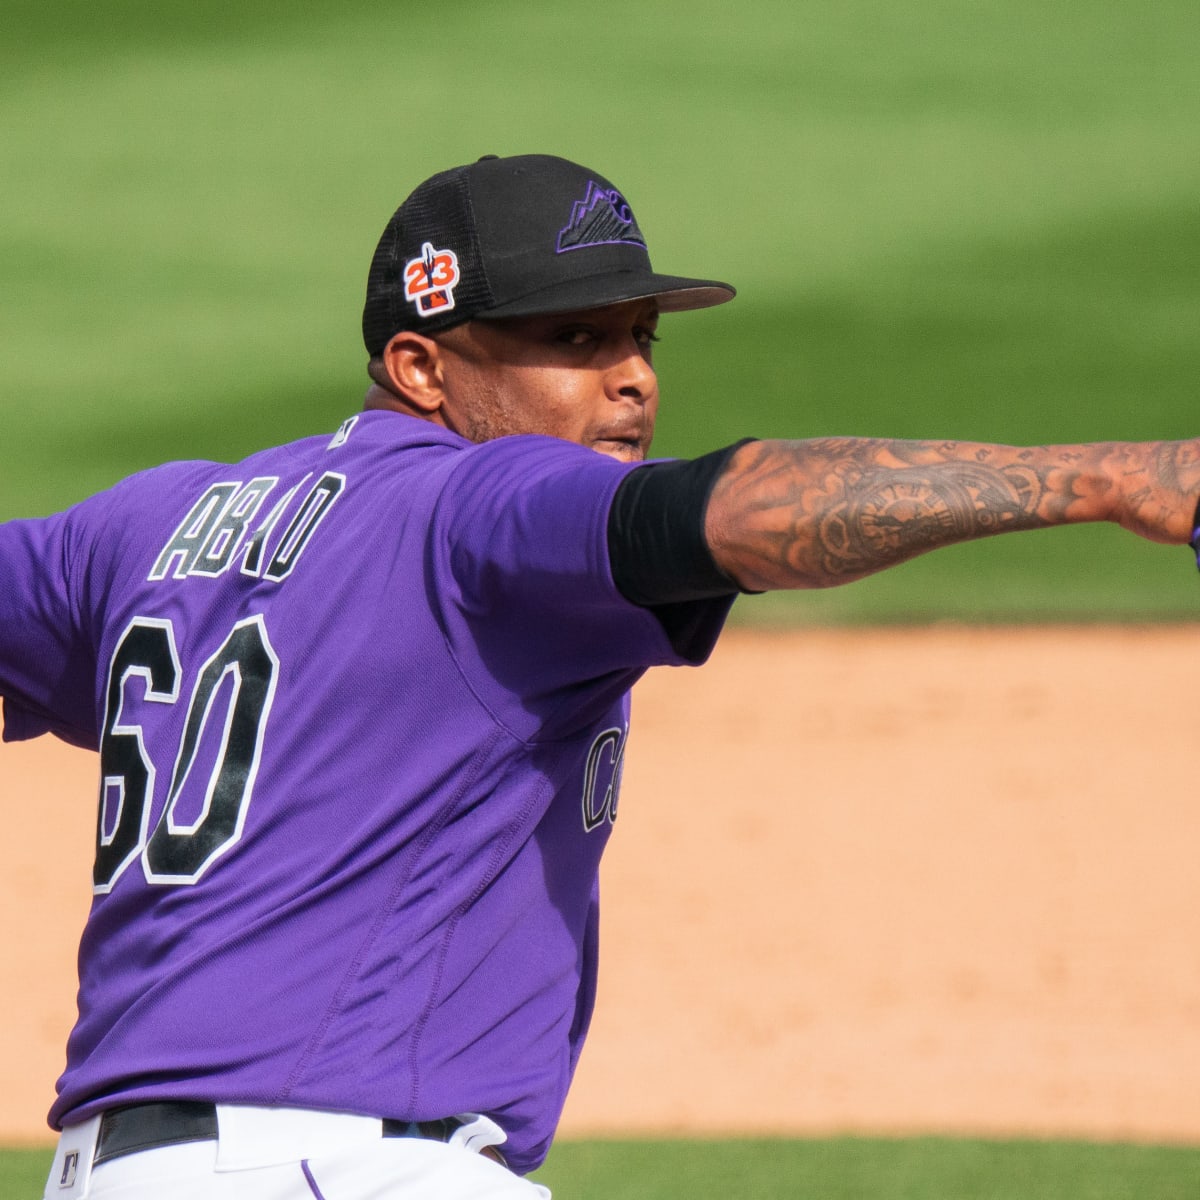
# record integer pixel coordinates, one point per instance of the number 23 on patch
(429, 281)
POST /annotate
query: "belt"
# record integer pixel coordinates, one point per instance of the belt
(176, 1122)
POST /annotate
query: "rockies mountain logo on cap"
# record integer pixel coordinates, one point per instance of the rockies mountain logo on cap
(601, 218)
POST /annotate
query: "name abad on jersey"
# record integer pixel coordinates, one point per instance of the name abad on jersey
(211, 536)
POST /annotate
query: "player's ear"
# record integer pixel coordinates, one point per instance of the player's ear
(412, 364)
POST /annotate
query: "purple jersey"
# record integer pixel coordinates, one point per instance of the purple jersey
(361, 706)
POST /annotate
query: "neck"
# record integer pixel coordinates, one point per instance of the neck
(380, 398)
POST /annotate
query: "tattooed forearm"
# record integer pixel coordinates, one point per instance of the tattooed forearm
(892, 515)
(824, 512)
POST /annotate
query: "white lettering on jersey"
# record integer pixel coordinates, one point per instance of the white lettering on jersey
(208, 539)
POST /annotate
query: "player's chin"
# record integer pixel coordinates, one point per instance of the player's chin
(622, 451)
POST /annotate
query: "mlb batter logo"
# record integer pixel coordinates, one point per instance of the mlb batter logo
(70, 1170)
(429, 281)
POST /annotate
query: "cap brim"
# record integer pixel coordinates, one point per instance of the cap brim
(675, 293)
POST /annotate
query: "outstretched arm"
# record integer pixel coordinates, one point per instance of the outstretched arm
(809, 514)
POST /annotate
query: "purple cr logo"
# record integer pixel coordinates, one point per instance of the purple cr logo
(602, 778)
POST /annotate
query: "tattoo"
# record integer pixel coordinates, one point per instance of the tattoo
(890, 515)
(823, 512)
(827, 511)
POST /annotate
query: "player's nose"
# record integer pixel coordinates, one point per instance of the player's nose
(631, 377)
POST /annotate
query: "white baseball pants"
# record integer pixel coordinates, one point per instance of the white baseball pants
(291, 1154)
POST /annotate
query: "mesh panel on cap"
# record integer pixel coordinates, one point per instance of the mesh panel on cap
(438, 212)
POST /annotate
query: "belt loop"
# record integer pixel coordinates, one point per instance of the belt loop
(71, 1171)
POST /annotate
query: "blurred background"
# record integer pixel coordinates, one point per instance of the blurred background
(950, 219)
(945, 218)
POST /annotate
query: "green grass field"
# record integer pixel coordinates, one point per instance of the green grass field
(945, 219)
(870, 1169)
(826, 1169)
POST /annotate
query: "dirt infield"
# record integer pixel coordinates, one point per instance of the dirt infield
(929, 880)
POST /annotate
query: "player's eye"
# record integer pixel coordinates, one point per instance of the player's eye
(576, 335)
(587, 335)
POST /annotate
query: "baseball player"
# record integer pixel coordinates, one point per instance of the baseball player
(361, 702)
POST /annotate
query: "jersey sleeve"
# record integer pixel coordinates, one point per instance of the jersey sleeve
(47, 671)
(520, 551)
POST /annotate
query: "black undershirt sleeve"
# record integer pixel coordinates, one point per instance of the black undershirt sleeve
(656, 543)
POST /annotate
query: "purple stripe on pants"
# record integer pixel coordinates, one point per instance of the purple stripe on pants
(312, 1183)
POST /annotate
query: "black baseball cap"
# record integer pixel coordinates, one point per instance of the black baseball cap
(514, 237)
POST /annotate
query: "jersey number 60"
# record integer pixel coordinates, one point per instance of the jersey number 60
(225, 722)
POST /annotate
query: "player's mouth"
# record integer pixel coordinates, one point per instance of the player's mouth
(624, 449)
(627, 442)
